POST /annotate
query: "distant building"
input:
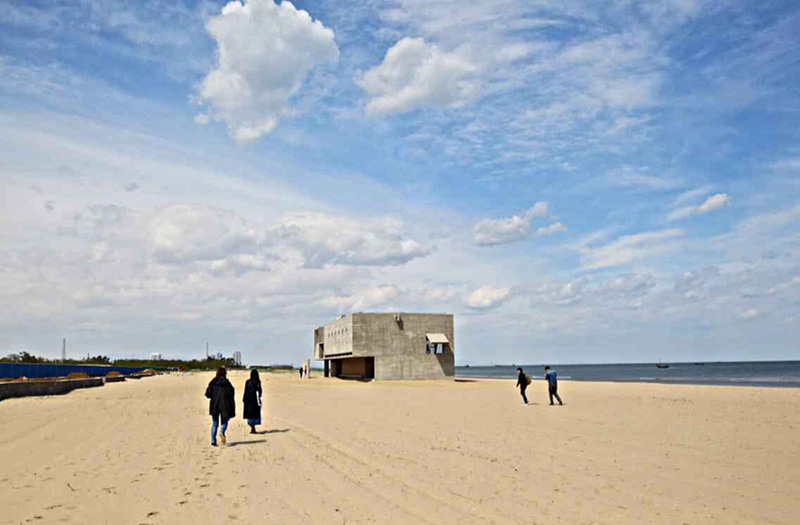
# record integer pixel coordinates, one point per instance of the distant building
(155, 356)
(237, 358)
(387, 346)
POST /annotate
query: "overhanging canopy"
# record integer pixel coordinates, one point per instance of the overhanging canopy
(437, 339)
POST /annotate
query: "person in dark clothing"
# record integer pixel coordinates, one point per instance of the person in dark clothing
(522, 383)
(252, 401)
(221, 405)
(552, 384)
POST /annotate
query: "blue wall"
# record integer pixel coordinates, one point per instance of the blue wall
(30, 370)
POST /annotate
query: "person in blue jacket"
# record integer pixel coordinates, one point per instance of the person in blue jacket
(552, 384)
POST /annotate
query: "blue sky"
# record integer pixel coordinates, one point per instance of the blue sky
(576, 181)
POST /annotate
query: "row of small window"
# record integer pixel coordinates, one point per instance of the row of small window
(340, 331)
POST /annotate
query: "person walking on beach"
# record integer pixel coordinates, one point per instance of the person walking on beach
(221, 405)
(552, 384)
(252, 400)
(522, 383)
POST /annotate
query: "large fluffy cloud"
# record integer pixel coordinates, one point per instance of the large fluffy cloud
(417, 74)
(209, 237)
(265, 53)
(323, 239)
(196, 263)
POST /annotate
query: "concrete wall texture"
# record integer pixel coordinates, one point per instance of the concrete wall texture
(398, 346)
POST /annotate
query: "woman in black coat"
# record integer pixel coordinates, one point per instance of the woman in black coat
(252, 401)
(221, 405)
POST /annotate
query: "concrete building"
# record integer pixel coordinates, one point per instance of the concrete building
(237, 358)
(155, 356)
(387, 346)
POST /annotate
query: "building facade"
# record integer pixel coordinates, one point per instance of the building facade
(387, 346)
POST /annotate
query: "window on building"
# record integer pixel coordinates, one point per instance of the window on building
(436, 343)
(435, 348)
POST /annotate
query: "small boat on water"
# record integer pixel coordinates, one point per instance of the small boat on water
(662, 365)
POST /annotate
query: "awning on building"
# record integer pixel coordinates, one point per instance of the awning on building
(437, 339)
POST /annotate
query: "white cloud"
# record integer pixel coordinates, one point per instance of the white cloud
(324, 239)
(629, 248)
(489, 232)
(183, 233)
(631, 178)
(201, 118)
(712, 203)
(417, 74)
(790, 164)
(487, 297)
(199, 236)
(552, 229)
(265, 53)
(770, 221)
(750, 313)
(690, 195)
(361, 300)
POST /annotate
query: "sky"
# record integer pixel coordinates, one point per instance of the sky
(576, 181)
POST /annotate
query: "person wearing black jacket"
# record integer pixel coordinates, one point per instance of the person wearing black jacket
(252, 400)
(221, 405)
(522, 383)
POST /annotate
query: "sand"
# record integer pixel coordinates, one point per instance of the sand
(429, 452)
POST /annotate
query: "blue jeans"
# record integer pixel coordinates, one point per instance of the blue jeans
(215, 424)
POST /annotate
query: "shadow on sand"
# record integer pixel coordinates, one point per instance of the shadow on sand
(251, 442)
(257, 441)
(466, 380)
(273, 431)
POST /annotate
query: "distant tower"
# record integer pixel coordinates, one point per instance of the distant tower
(64, 350)
(237, 358)
(206, 349)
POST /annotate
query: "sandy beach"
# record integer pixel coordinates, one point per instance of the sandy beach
(426, 452)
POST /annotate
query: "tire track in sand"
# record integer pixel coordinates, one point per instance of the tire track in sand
(396, 492)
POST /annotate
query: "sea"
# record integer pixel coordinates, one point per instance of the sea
(744, 373)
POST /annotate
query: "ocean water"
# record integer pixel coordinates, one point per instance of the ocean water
(759, 373)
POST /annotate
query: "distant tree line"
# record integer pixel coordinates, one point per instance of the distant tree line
(22, 357)
(179, 364)
(211, 363)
